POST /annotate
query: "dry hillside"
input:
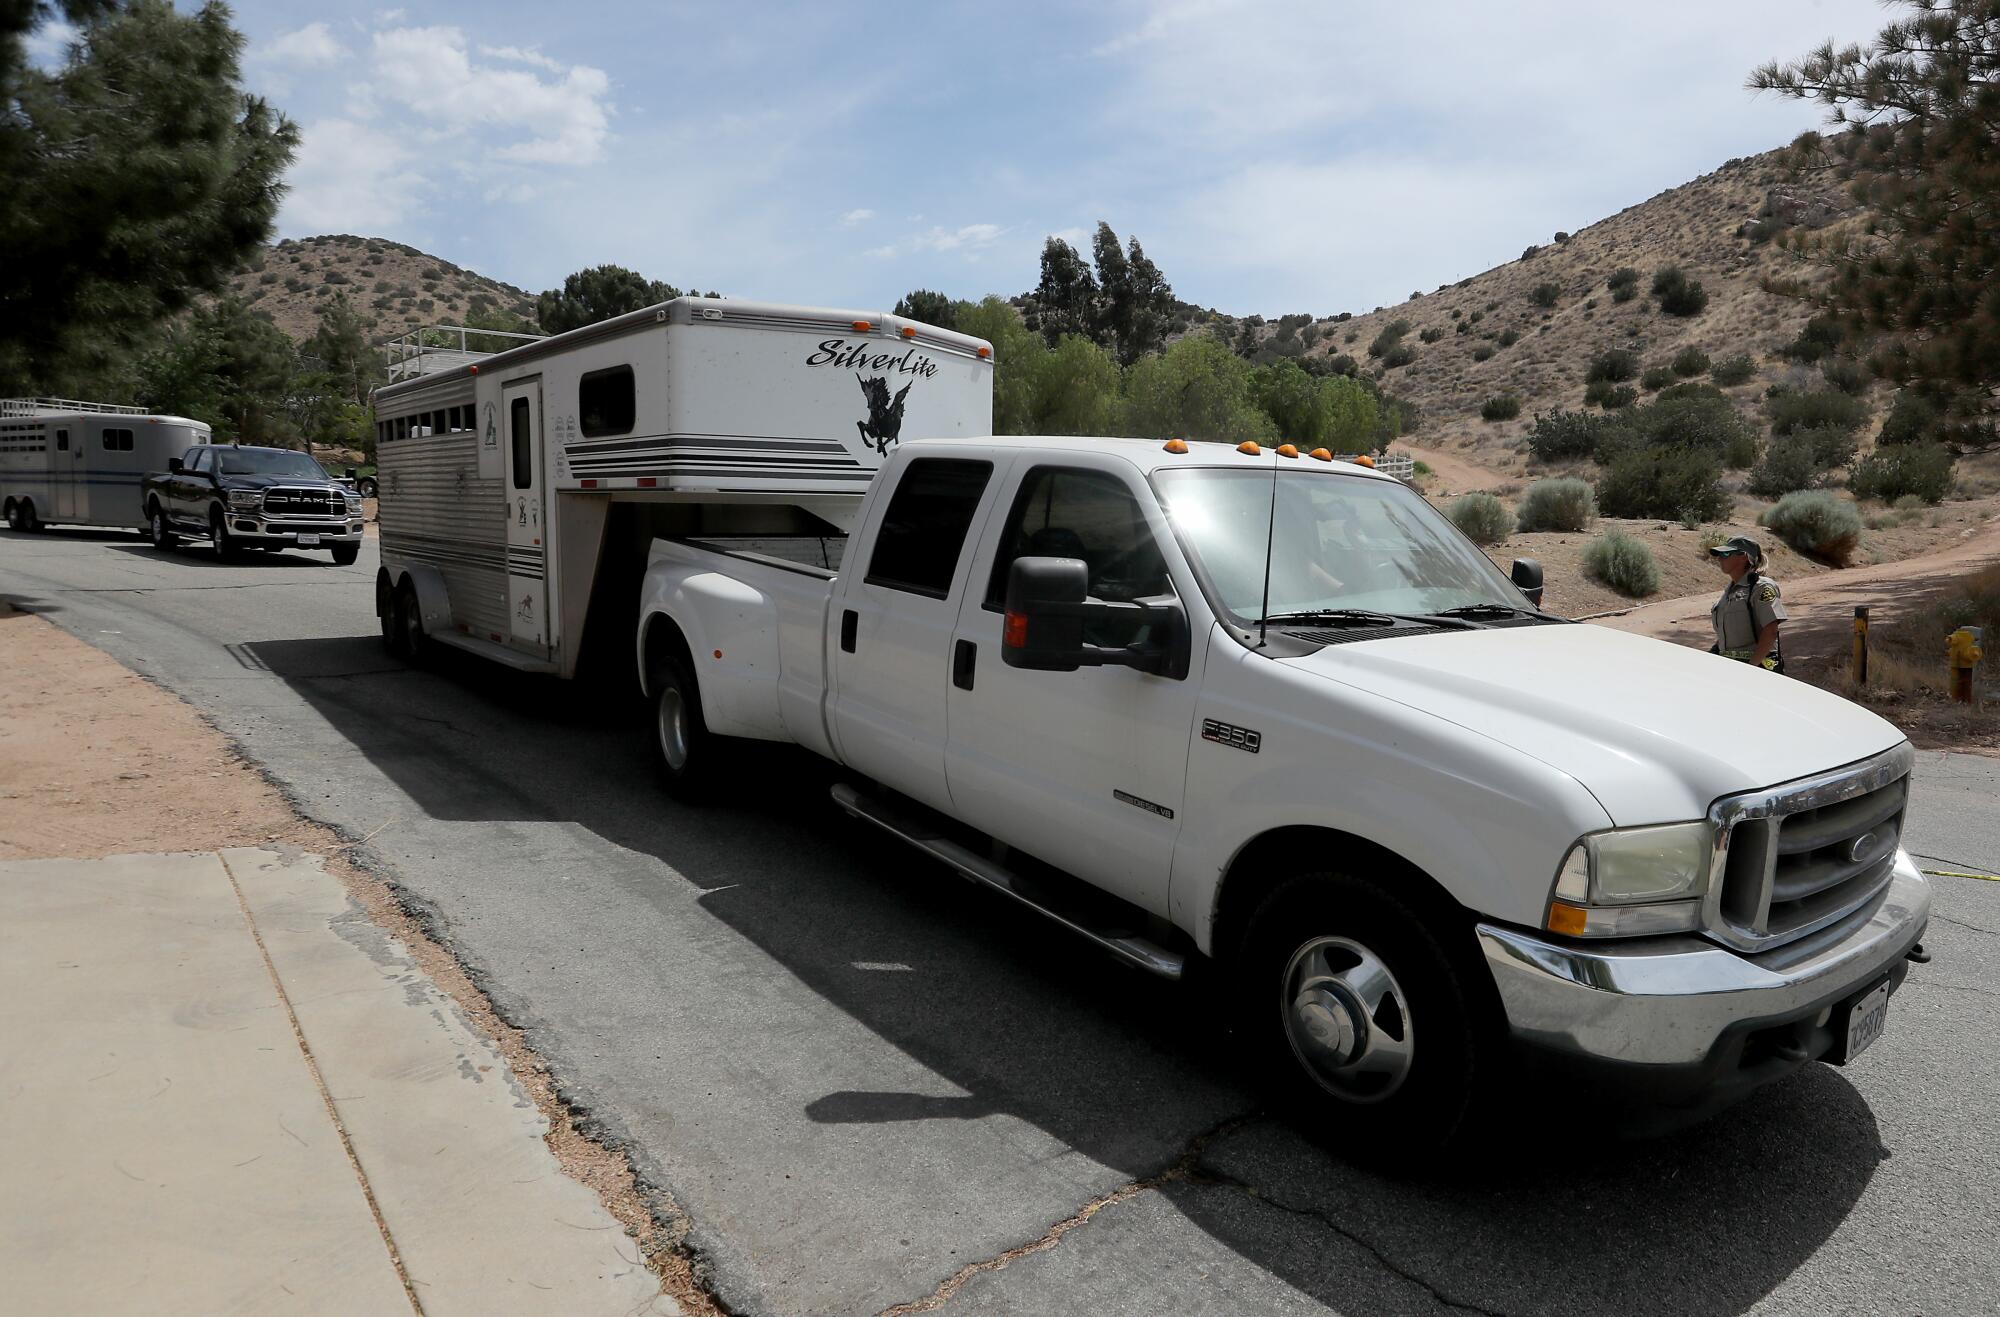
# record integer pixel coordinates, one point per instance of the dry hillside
(395, 285)
(1703, 227)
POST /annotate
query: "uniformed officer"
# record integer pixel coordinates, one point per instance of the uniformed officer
(1747, 616)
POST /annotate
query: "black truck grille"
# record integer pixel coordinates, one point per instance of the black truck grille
(280, 503)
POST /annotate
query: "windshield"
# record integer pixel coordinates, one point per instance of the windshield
(1341, 542)
(267, 462)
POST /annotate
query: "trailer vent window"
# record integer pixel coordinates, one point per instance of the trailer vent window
(924, 529)
(117, 441)
(605, 402)
(524, 458)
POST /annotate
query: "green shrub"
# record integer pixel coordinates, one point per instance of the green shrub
(1433, 334)
(1690, 362)
(268, 277)
(1528, 252)
(1831, 445)
(1501, 407)
(1687, 389)
(1678, 294)
(1623, 563)
(1669, 482)
(1732, 371)
(1815, 523)
(1687, 416)
(1558, 435)
(1788, 465)
(1509, 337)
(1616, 366)
(1400, 355)
(1656, 377)
(1388, 340)
(1558, 503)
(1847, 375)
(1595, 391)
(1912, 419)
(1923, 470)
(1545, 294)
(1623, 283)
(1616, 396)
(1482, 517)
(1464, 327)
(1483, 352)
(1821, 336)
(1793, 411)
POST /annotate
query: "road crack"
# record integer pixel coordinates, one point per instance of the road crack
(1976, 928)
(1181, 1168)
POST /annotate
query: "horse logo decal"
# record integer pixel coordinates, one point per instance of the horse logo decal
(884, 425)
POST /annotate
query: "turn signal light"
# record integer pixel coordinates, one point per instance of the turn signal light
(984, 353)
(1320, 455)
(1286, 450)
(1175, 446)
(908, 332)
(862, 326)
(1567, 919)
(1249, 448)
(1014, 633)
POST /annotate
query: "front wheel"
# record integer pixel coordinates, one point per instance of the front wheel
(344, 555)
(218, 534)
(1368, 1028)
(159, 529)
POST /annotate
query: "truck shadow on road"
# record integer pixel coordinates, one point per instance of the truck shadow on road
(1119, 1067)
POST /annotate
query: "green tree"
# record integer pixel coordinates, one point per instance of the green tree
(1150, 306)
(1290, 397)
(927, 306)
(1017, 356)
(1066, 298)
(340, 350)
(1075, 390)
(1196, 389)
(229, 366)
(1918, 140)
(138, 176)
(599, 293)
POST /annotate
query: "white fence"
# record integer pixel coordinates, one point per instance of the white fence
(1400, 465)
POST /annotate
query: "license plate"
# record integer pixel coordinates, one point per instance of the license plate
(308, 539)
(1866, 1015)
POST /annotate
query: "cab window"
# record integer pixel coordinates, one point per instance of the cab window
(923, 531)
(1063, 512)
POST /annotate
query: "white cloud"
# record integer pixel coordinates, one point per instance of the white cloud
(880, 253)
(853, 217)
(312, 46)
(350, 178)
(513, 113)
(971, 236)
(519, 55)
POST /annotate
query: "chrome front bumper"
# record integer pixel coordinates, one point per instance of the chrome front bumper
(257, 529)
(1676, 1001)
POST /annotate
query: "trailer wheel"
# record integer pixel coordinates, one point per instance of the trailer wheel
(24, 512)
(686, 749)
(1366, 1027)
(409, 643)
(11, 514)
(159, 529)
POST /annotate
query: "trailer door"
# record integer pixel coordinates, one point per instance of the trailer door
(64, 473)
(527, 577)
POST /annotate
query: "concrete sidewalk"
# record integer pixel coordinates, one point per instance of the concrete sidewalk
(223, 1089)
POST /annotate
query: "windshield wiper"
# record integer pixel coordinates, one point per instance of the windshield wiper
(1492, 610)
(1353, 617)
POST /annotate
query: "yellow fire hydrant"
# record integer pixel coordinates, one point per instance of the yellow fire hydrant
(1962, 654)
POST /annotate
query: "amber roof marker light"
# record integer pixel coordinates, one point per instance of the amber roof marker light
(1320, 455)
(1174, 446)
(1249, 448)
(1287, 450)
(862, 326)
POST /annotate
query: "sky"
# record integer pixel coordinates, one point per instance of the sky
(1272, 156)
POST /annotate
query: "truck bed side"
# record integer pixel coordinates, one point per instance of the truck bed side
(755, 627)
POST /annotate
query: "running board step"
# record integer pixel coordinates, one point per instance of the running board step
(1143, 952)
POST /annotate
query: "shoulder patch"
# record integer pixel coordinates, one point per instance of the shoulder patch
(1767, 592)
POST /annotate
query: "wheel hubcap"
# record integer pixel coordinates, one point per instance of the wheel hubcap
(1347, 1019)
(673, 728)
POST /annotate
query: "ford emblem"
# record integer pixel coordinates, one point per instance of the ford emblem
(1860, 846)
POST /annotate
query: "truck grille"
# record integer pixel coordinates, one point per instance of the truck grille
(304, 503)
(1798, 857)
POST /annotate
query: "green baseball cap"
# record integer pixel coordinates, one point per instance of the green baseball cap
(1742, 544)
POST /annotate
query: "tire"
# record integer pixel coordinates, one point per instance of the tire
(1368, 1030)
(366, 487)
(385, 609)
(226, 547)
(689, 755)
(159, 529)
(25, 510)
(344, 555)
(11, 513)
(411, 644)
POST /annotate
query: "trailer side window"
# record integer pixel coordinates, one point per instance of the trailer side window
(117, 441)
(606, 402)
(524, 458)
(923, 531)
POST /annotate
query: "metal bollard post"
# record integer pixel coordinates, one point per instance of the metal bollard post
(1860, 664)
(1962, 655)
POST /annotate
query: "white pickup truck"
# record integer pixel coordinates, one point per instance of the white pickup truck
(1205, 705)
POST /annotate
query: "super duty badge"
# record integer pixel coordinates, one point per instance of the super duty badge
(1236, 738)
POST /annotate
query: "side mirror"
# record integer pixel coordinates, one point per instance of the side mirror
(175, 465)
(1527, 577)
(350, 473)
(1045, 608)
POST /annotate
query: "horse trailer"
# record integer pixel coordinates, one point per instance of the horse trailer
(70, 463)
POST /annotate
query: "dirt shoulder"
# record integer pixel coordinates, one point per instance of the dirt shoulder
(96, 761)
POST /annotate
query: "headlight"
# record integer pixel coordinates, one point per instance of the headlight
(353, 500)
(1631, 881)
(246, 498)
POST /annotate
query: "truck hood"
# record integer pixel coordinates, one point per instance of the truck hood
(264, 480)
(1655, 731)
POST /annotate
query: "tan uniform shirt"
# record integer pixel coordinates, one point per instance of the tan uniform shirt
(1746, 608)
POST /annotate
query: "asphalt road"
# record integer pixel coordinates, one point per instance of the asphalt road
(859, 1077)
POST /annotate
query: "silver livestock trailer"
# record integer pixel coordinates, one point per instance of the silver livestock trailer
(70, 463)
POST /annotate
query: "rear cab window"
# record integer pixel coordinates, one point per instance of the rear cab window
(923, 530)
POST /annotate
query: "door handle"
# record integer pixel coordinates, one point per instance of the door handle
(849, 619)
(963, 653)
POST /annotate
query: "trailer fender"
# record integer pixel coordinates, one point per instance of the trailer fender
(433, 600)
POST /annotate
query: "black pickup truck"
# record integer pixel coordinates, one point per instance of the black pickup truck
(240, 498)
